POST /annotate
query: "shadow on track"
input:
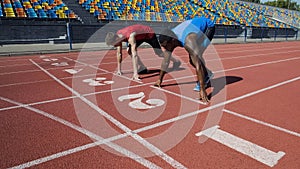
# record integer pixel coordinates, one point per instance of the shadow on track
(218, 84)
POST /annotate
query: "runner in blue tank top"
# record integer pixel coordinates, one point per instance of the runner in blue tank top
(194, 35)
(196, 25)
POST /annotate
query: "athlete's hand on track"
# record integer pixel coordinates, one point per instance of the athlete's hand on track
(203, 96)
(157, 83)
(119, 73)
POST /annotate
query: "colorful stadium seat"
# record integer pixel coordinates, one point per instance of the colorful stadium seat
(35, 9)
(227, 12)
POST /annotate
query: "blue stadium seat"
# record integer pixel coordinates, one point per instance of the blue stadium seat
(1, 13)
(34, 9)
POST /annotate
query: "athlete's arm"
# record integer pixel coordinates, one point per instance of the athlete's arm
(168, 48)
(134, 55)
(119, 58)
(195, 52)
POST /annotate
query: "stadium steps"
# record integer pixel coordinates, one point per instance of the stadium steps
(84, 15)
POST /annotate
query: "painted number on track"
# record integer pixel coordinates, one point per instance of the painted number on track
(99, 81)
(73, 71)
(137, 102)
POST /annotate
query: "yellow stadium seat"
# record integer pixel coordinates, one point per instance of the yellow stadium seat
(59, 11)
(62, 15)
(10, 14)
(26, 3)
(92, 10)
(38, 7)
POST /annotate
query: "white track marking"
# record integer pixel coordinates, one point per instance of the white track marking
(252, 55)
(258, 64)
(28, 71)
(174, 119)
(99, 81)
(131, 96)
(186, 77)
(245, 147)
(262, 123)
(49, 59)
(13, 84)
(138, 138)
(108, 82)
(60, 64)
(14, 65)
(109, 143)
(84, 95)
(250, 66)
(65, 98)
(73, 71)
(256, 50)
(22, 71)
(24, 83)
(215, 106)
(179, 95)
(96, 67)
(37, 103)
(223, 51)
(138, 104)
(283, 47)
(44, 56)
(208, 60)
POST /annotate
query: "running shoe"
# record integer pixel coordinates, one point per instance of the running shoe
(207, 79)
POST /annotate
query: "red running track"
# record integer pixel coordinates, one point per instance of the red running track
(70, 110)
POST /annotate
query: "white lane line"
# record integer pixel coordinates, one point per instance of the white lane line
(208, 60)
(262, 123)
(245, 147)
(38, 81)
(215, 106)
(179, 95)
(15, 65)
(24, 83)
(30, 70)
(259, 64)
(77, 149)
(248, 66)
(88, 94)
(254, 49)
(223, 50)
(192, 76)
(108, 72)
(138, 138)
(37, 103)
(135, 86)
(238, 68)
(107, 142)
(22, 71)
(252, 55)
(219, 59)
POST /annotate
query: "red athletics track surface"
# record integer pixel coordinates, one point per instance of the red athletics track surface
(90, 118)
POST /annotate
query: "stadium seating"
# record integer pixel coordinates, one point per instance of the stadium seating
(227, 12)
(35, 9)
(8, 9)
(289, 16)
(1, 13)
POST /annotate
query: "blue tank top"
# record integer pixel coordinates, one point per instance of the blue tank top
(196, 25)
